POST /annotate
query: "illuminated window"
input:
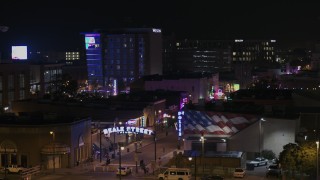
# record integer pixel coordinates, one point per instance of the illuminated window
(234, 53)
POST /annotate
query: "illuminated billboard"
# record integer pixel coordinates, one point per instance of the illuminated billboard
(92, 41)
(19, 52)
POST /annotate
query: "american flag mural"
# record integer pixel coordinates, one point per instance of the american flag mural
(215, 123)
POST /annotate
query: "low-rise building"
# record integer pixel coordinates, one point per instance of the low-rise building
(44, 139)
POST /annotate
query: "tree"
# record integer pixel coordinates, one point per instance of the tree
(268, 154)
(299, 157)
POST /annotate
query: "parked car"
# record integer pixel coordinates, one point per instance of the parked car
(259, 161)
(275, 161)
(212, 177)
(273, 171)
(123, 171)
(239, 172)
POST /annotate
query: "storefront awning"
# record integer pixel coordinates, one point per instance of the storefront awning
(55, 148)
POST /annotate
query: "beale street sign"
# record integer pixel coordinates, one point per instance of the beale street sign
(122, 129)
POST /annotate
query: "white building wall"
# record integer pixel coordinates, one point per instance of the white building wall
(275, 133)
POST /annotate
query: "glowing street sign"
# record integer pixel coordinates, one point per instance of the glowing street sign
(122, 129)
(180, 114)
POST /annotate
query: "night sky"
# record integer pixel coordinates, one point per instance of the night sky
(57, 25)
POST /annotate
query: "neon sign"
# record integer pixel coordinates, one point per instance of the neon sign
(115, 91)
(184, 101)
(122, 129)
(180, 114)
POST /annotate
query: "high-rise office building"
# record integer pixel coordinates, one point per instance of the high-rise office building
(254, 50)
(216, 55)
(117, 57)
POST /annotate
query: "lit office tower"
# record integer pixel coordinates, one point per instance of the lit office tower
(117, 57)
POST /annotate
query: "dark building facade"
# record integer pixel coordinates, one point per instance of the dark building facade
(212, 56)
(14, 83)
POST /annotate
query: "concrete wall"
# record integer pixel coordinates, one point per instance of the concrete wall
(275, 133)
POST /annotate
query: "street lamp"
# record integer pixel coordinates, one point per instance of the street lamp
(121, 148)
(260, 134)
(317, 142)
(190, 159)
(195, 164)
(202, 152)
(54, 150)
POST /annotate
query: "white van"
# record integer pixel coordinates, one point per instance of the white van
(175, 174)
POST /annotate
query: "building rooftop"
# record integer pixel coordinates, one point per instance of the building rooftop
(219, 124)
